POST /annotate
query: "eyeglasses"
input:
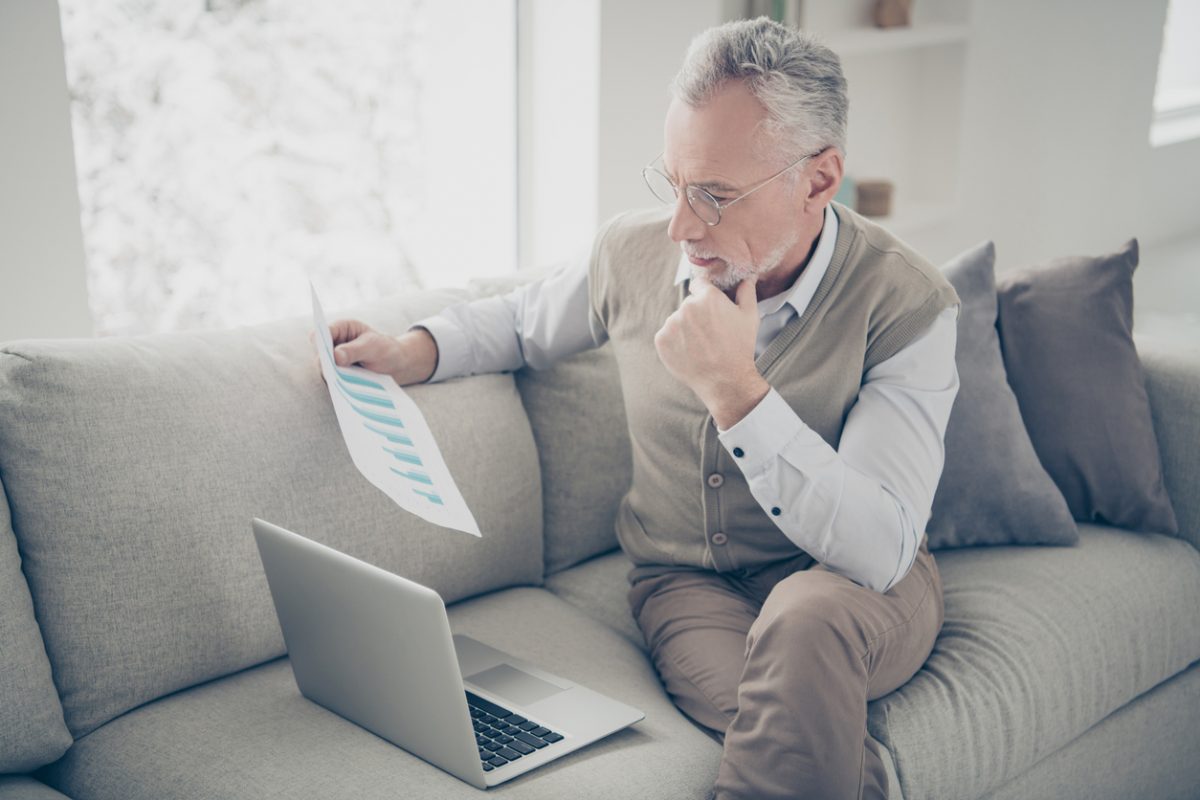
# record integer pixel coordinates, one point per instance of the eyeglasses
(702, 203)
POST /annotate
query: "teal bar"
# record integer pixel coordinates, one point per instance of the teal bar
(368, 398)
(419, 477)
(382, 418)
(391, 437)
(346, 376)
(410, 458)
(433, 498)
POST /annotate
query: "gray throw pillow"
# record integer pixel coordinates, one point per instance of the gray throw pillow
(1067, 332)
(993, 488)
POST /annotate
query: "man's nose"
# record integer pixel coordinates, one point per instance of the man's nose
(685, 225)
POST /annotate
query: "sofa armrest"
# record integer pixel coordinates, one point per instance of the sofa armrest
(1173, 382)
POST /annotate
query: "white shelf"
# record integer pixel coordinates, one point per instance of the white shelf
(886, 40)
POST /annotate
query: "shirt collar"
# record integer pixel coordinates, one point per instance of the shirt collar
(802, 291)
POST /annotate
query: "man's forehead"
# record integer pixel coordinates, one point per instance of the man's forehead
(714, 144)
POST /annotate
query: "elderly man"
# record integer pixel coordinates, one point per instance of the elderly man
(787, 381)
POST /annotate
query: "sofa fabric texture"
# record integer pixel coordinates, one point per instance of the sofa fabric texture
(1067, 332)
(135, 465)
(993, 489)
(1038, 645)
(22, 787)
(32, 730)
(574, 409)
(270, 742)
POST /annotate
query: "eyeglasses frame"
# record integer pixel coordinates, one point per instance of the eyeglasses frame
(714, 203)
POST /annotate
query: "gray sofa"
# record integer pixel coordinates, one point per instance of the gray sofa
(141, 655)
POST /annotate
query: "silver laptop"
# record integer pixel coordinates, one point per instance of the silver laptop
(376, 649)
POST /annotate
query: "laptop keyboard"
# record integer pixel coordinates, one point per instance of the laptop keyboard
(504, 736)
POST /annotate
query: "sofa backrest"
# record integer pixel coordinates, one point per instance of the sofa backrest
(32, 731)
(135, 465)
(578, 420)
(1173, 384)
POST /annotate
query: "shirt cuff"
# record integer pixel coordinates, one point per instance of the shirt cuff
(454, 351)
(756, 440)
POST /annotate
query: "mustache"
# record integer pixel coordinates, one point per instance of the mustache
(692, 253)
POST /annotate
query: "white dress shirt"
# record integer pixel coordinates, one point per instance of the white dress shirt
(860, 510)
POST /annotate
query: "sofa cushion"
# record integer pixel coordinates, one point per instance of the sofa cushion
(578, 420)
(1173, 385)
(993, 489)
(22, 787)
(1038, 645)
(253, 735)
(135, 465)
(1067, 332)
(599, 587)
(32, 731)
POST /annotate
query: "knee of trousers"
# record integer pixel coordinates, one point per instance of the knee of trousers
(795, 623)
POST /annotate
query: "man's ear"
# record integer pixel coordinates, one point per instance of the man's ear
(826, 177)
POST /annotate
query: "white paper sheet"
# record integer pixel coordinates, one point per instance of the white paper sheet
(389, 440)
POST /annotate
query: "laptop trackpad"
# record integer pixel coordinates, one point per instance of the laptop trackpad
(520, 687)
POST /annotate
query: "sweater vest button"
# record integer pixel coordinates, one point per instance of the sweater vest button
(738, 452)
(715, 480)
(719, 538)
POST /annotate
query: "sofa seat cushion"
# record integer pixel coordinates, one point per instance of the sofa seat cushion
(1038, 645)
(23, 787)
(599, 587)
(252, 735)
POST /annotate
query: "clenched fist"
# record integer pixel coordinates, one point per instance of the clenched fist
(708, 345)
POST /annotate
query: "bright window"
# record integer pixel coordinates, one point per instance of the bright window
(1177, 93)
(227, 150)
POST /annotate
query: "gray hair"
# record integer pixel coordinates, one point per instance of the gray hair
(798, 80)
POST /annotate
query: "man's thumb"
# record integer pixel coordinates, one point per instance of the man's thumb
(747, 296)
(346, 354)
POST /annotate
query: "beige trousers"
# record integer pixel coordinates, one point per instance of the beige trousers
(780, 665)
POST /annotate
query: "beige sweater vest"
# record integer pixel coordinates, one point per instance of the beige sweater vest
(875, 298)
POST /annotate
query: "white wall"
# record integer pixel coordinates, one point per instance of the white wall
(43, 284)
(1054, 156)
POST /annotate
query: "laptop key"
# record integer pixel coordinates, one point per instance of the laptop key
(498, 762)
(539, 731)
(553, 737)
(521, 747)
(487, 767)
(493, 746)
(504, 739)
(532, 741)
(510, 754)
(514, 719)
(487, 705)
(528, 725)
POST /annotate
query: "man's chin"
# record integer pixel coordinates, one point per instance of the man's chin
(725, 277)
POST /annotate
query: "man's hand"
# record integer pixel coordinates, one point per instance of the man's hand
(708, 344)
(410, 358)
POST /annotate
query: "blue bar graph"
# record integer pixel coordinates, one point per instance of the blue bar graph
(398, 438)
(367, 398)
(346, 376)
(408, 458)
(380, 418)
(413, 475)
(433, 498)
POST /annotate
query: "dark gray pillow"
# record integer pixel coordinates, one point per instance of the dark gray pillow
(1067, 332)
(993, 488)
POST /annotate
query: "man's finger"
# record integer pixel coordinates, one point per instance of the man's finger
(346, 354)
(747, 296)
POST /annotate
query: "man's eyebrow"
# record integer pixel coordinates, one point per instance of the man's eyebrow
(709, 186)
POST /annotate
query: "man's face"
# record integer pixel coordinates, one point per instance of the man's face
(713, 147)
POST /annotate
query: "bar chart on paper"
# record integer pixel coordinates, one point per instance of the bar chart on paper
(388, 438)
